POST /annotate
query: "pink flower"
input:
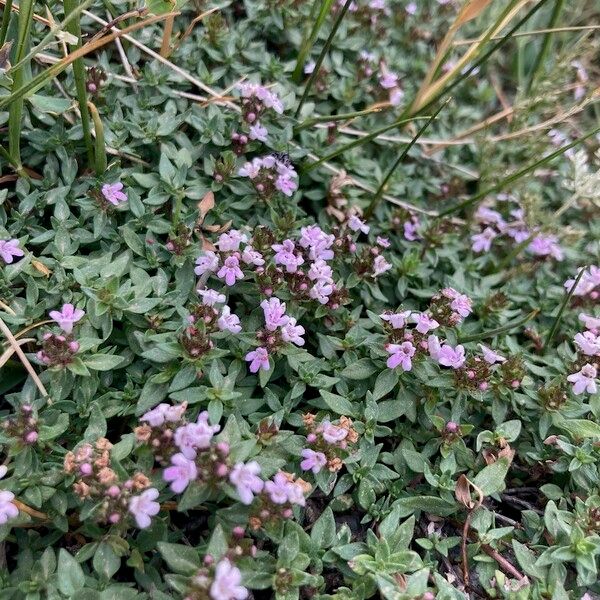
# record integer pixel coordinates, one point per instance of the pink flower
(411, 8)
(589, 280)
(246, 480)
(588, 343)
(258, 359)
(226, 584)
(357, 224)
(67, 317)
(286, 255)
(400, 354)
(396, 320)
(251, 169)
(411, 230)
(286, 185)
(195, 436)
(164, 413)
(230, 241)
(546, 245)
(589, 321)
(584, 380)
(387, 78)
(113, 194)
(181, 472)
(228, 321)
(206, 263)
(252, 257)
(482, 242)
(313, 461)
(274, 311)
(380, 266)
(319, 242)
(230, 271)
(490, 356)
(211, 297)
(424, 322)
(462, 305)
(258, 132)
(320, 271)
(8, 510)
(321, 291)
(278, 489)
(331, 433)
(9, 249)
(444, 354)
(383, 242)
(290, 332)
(143, 507)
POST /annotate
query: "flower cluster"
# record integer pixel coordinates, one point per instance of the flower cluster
(588, 360)
(57, 350)
(588, 285)
(328, 443)
(450, 307)
(217, 582)
(98, 482)
(256, 99)
(270, 174)
(23, 426)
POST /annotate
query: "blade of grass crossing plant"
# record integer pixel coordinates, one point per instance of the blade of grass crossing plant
(360, 141)
(541, 56)
(486, 55)
(381, 189)
(561, 310)
(5, 21)
(74, 28)
(515, 176)
(15, 112)
(494, 332)
(100, 150)
(324, 7)
(321, 57)
(333, 118)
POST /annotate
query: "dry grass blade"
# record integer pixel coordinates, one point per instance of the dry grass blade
(5, 356)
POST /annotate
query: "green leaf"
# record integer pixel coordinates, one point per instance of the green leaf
(323, 530)
(106, 562)
(338, 404)
(103, 362)
(181, 559)
(386, 381)
(580, 428)
(70, 577)
(490, 480)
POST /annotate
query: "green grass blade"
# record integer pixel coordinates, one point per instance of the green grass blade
(332, 118)
(515, 176)
(360, 141)
(321, 58)
(309, 42)
(381, 189)
(561, 310)
(499, 330)
(5, 21)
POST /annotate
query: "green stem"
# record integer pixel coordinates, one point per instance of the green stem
(15, 112)
(511, 256)
(562, 307)
(5, 21)
(74, 28)
(321, 58)
(332, 118)
(511, 178)
(379, 193)
(494, 332)
(541, 56)
(360, 141)
(100, 150)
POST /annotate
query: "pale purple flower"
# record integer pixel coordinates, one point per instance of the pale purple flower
(268, 98)
(181, 472)
(462, 305)
(320, 271)
(588, 343)
(245, 478)
(258, 359)
(113, 194)
(589, 321)
(400, 354)
(380, 266)
(313, 461)
(226, 584)
(67, 317)
(357, 224)
(488, 216)
(584, 380)
(309, 67)
(8, 510)
(286, 185)
(411, 8)
(258, 132)
(424, 322)
(230, 271)
(290, 332)
(230, 241)
(287, 256)
(387, 79)
(251, 169)
(519, 234)
(410, 230)
(278, 489)
(445, 354)
(163, 413)
(321, 291)
(383, 242)
(490, 356)
(546, 245)
(296, 494)
(211, 297)
(588, 282)
(9, 249)
(396, 320)
(143, 507)
(3, 471)
(482, 242)
(450, 293)
(396, 96)
(252, 257)
(331, 433)
(206, 263)
(227, 321)
(195, 436)
(274, 311)
(319, 242)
